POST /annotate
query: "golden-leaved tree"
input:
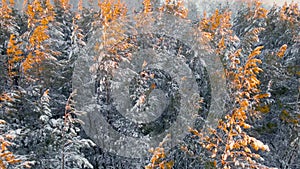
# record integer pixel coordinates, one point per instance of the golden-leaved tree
(8, 29)
(15, 57)
(112, 38)
(7, 157)
(230, 145)
(40, 14)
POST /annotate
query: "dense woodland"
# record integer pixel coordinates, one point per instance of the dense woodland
(259, 48)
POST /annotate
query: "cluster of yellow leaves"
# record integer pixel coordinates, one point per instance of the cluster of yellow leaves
(158, 157)
(216, 29)
(15, 55)
(111, 10)
(11, 3)
(175, 7)
(4, 97)
(290, 13)
(260, 12)
(247, 94)
(256, 11)
(147, 6)
(233, 143)
(281, 51)
(80, 5)
(113, 34)
(216, 21)
(113, 17)
(6, 157)
(245, 79)
(36, 12)
(6, 10)
(65, 3)
(237, 143)
(38, 20)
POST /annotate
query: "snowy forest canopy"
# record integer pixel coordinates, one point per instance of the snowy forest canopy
(258, 47)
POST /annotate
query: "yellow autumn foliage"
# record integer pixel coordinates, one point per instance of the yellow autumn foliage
(176, 8)
(38, 20)
(14, 56)
(281, 51)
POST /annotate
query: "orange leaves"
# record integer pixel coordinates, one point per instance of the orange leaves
(158, 157)
(216, 20)
(43, 18)
(153, 86)
(208, 36)
(261, 96)
(27, 64)
(162, 165)
(40, 14)
(258, 145)
(212, 23)
(217, 24)
(111, 10)
(246, 75)
(244, 103)
(260, 12)
(176, 8)
(204, 23)
(221, 45)
(256, 11)
(6, 10)
(238, 129)
(255, 52)
(30, 14)
(113, 36)
(169, 164)
(281, 51)
(33, 10)
(217, 30)
(289, 13)
(147, 6)
(64, 3)
(247, 150)
(38, 36)
(35, 57)
(250, 70)
(14, 55)
(157, 154)
(6, 157)
(5, 97)
(246, 126)
(232, 138)
(80, 5)
(194, 131)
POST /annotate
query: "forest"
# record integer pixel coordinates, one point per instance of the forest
(168, 84)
